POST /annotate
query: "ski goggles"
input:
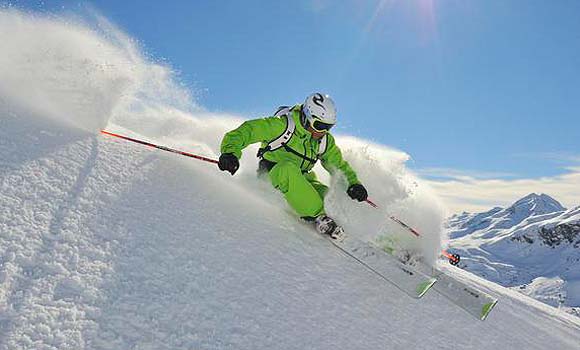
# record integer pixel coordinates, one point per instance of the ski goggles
(321, 126)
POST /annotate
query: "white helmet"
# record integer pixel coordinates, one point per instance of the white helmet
(319, 111)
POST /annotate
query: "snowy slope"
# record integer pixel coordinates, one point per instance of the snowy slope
(532, 246)
(110, 245)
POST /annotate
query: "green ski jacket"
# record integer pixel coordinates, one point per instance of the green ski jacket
(267, 129)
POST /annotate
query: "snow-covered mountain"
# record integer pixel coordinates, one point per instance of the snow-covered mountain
(498, 219)
(532, 246)
(106, 244)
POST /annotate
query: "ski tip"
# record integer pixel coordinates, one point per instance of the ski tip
(423, 287)
(486, 309)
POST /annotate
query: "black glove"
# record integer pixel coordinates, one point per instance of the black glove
(229, 162)
(358, 192)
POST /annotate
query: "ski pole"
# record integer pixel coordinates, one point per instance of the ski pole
(409, 228)
(453, 258)
(371, 203)
(209, 160)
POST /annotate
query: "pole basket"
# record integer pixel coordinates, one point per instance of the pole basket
(454, 259)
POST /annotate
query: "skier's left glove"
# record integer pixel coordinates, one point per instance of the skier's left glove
(358, 192)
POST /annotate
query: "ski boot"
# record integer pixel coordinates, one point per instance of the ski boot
(327, 226)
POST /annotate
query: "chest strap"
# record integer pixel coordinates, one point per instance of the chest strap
(293, 151)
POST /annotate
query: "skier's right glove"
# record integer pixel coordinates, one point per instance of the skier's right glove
(229, 162)
(358, 192)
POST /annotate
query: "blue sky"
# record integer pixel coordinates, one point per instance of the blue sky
(472, 90)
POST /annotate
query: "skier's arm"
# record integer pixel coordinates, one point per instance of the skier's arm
(332, 160)
(252, 131)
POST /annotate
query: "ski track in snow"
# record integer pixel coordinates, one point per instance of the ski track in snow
(110, 245)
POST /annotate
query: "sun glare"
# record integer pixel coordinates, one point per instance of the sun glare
(420, 12)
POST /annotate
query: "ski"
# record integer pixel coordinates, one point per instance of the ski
(476, 302)
(407, 279)
(473, 300)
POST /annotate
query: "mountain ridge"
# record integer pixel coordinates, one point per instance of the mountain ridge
(531, 246)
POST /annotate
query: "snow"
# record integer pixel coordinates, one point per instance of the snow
(548, 290)
(110, 245)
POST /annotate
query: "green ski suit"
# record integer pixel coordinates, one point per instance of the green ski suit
(292, 174)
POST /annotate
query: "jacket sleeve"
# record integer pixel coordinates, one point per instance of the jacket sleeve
(252, 131)
(332, 160)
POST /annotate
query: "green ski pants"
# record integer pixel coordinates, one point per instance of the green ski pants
(303, 192)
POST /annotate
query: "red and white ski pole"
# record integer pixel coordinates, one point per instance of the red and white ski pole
(205, 159)
(453, 258)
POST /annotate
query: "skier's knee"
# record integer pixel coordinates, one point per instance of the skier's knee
(312, 206)
(283, 174)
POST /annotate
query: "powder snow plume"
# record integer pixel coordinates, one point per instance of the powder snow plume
(85, 74)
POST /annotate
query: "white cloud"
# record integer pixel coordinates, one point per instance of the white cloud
(473, 194)
(450, 173)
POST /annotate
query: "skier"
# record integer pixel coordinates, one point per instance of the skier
(292, 141)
